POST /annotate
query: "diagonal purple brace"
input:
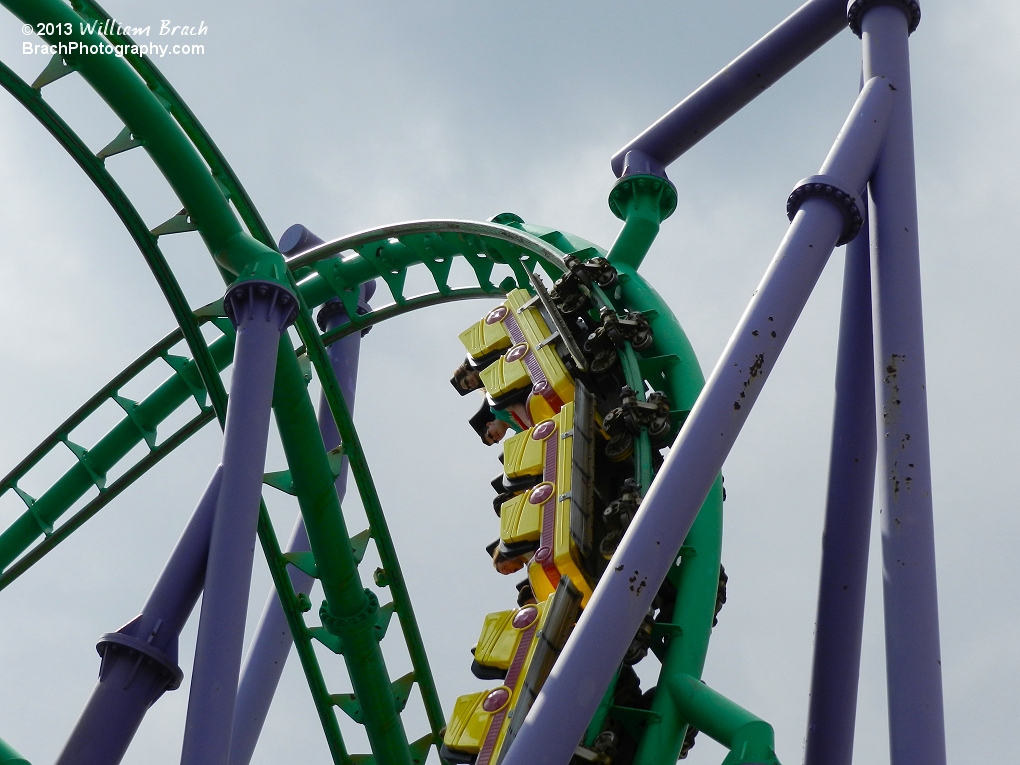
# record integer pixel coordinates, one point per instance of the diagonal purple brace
(261, 312)
(139, 661)
(847, 534)
(825, 210)
(271, 645)
(742, 80)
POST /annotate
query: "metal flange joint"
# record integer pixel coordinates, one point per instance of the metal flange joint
(341, 626)
(835, 190)
(855, 10)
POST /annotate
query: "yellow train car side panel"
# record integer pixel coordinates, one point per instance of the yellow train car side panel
(498, 641)
(485, 336)
(515, 680)
(471, 727)
(531, 335)
(522, 455)
(502, 377)
(519, 520)
(556, 373)
(557, 555)
(468, 724)
(530, 320)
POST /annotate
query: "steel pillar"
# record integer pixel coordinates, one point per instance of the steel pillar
(742, 80)
(913, 657)
(846, 537)
(139, 661)
(823, 213)
(261, 312)
(270, 647)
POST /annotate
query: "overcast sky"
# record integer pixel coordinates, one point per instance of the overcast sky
(348, 115)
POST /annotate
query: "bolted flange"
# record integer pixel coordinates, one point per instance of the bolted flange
(271, 300)
(633, 191)
(834, 190)
(342, 625)
(855, 12)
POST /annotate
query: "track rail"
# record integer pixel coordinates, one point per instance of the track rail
(156, 118)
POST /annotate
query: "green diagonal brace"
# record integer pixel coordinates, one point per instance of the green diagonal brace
(751, 740)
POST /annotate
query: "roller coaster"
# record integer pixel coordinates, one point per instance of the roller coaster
(610, 497)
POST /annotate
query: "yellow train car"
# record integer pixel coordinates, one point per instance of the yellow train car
(521, 351)
(553, 518)
(524, 643)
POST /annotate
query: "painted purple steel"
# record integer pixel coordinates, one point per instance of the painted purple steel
(846, 538)
(261, 312)
(570, 696)
(913, 659)
(802, 33)
(263, 666)
(132, 678)
(270, 648)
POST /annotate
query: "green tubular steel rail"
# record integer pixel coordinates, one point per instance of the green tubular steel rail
(149, 124)
(92, 464)
(155, 117)
(159, 85)
(139, 424)
(147, 244)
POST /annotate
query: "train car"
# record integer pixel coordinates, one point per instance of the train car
(553, 518)
(564, 497)
(516, 352)
(520, 647)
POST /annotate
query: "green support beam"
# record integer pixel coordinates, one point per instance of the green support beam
(350, 611)
(750, 739)
(147, 244)
(642, 202)
(9, 757)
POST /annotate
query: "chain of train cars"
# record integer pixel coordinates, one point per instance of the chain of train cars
(551, 365)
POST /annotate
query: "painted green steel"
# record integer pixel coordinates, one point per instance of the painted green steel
(10, 757)
(643, 472)
(224, 174)
(302, 639)
(386, 253)
(76, 521)
(350, 611)
(383, 541)
(201, 178)
(682, 645)
(93, 464)
(642, 202)
(159, 85)
(146, 242)
(751, 740)
(361, 322)
(147, 119)
(164, 140)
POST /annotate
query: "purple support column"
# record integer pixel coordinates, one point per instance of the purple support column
(271, 645)
(824, 211)
(140, 660)
(913, 658)
(261, 311)
(746, 77)
(845, 540)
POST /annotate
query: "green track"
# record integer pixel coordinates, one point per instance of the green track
(216, 206)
